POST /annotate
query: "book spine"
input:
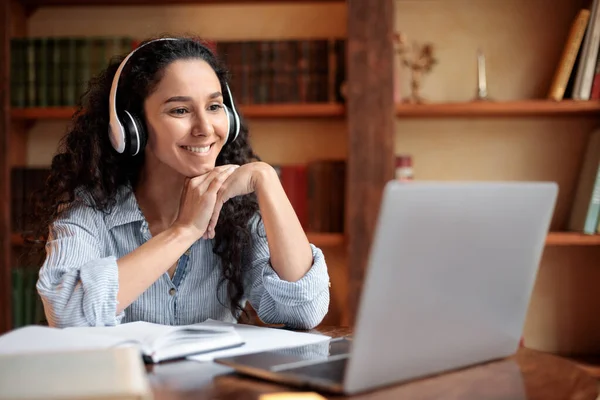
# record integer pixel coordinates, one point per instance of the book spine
(569, 54)
(589, 52)
(591, 221)
(30, 74)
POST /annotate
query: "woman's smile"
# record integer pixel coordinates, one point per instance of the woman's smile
(198, 150)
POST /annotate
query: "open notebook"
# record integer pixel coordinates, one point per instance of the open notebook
(163, 342)
(156, 342)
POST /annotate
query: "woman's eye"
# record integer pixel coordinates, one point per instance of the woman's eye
(179, 111)
(215, 107)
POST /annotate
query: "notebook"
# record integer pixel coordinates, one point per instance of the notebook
(155, 342)
(87, 374)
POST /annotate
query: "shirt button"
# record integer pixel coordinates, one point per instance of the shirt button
(172, 291)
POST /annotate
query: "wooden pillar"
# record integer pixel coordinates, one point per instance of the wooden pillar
(370, 116)
(5, 274)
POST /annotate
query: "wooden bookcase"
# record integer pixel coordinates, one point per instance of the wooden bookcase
(531, 132)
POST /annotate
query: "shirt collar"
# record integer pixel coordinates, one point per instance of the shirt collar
(125, 211)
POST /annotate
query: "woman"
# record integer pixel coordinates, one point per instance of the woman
(189, 228)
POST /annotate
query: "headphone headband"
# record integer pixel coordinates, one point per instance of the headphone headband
(118, 133)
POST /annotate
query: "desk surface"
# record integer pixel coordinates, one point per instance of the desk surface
(527, 375)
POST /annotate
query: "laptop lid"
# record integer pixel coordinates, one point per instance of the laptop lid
(449, 278)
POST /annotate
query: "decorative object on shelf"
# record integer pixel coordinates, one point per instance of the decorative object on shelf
(404, 168)
(419, 59)
(482, 93)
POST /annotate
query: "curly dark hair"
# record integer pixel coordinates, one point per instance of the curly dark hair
(86, 160)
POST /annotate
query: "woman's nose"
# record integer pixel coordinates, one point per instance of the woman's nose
(202, 126)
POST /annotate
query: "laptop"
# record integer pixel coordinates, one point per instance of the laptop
(449, 278)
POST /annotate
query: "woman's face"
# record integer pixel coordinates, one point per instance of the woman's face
(187, 125)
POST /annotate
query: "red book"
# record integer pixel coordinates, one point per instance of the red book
(294, 182)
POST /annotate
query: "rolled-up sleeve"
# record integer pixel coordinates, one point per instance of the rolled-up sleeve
(78, 286)
(301, 304)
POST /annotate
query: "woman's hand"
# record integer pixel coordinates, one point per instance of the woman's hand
(243, 180)
(199, 198)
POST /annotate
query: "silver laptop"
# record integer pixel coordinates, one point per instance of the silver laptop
(448, 283)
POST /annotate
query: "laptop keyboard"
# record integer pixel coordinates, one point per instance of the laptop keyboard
(332, 370)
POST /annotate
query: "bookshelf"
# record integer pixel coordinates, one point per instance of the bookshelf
(518, 136)
(307, 110)
(21, 123)
(54, 3)
(337, 239)
(519, 108)
(524, 108)
(318, 238)
(572, 239)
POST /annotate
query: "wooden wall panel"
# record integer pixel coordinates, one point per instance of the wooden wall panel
(370, 129)
(5, 276)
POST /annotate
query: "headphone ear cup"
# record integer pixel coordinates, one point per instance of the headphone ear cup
(135, 133)
(231, 125)
(143, 137)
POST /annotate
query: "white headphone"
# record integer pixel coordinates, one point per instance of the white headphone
(127, 131)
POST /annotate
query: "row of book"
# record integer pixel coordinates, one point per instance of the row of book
(285, 71)
(585, 211)
(316, 191)
(55, 71)
(27, 307)
(577, 75)
(24, 181)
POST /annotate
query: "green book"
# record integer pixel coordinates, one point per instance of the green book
(67, 83)
(585, 211)
(54, 65)
(17, 72)
(41, 72)
(28, 295)
(17, 297)
(30, 78)
(82, 65)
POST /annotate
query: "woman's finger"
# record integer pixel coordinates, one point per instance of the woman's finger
(220, 173)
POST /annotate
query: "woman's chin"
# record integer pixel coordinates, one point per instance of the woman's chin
(198, 171)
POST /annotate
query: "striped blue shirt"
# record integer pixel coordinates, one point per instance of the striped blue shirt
(78, 281)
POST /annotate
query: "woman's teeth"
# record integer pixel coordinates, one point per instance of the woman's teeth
(204, 149)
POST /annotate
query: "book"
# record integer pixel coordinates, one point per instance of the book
(166, 342)
(586, 68)
(568, 56)
(116, 373)
(155, 342)
(585, 211)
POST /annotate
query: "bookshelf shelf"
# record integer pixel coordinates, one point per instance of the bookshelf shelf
(48, 3)
(590, 364)
(318, 239)
(325, 239)
(572, 239)
(305, 110)
(337, 239)
(524, 108)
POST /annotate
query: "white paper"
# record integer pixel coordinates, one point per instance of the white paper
(258, 338)
(36, 338)
(147, 333)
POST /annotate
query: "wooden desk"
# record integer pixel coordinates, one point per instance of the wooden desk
(526, 375)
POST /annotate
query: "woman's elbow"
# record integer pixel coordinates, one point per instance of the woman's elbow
(309, 315)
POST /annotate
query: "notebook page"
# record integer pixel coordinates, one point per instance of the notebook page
(150, 335)
(258, 338)
(36, 338)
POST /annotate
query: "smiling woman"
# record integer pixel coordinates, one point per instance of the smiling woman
(158, 209)
(186, 132)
